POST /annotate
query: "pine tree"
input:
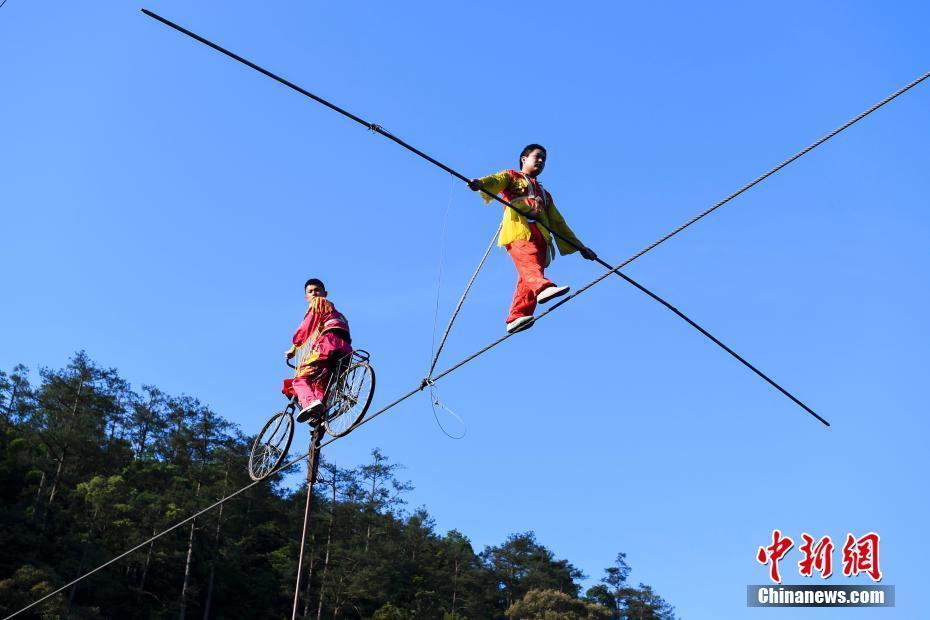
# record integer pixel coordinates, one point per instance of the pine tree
(522, 564)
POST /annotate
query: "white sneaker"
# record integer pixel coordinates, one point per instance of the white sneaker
(519, 324)
(551, 293)
(312, 410)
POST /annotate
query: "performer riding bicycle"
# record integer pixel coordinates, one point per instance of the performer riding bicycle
(326, 332)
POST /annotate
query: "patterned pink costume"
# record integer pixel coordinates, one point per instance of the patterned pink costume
(324, 335)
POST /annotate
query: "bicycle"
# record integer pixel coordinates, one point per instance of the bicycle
(348, 392)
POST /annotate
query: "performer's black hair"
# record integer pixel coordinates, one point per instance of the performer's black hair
(529, 148)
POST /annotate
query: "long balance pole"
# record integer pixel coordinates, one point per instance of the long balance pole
(378, 129)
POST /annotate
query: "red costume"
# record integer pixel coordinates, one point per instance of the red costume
(320, 342)
(530, 258)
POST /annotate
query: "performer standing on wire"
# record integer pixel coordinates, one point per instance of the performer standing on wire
(530, 245)
(323, 339)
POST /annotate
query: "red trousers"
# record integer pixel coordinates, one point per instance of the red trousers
(313, 377)
(530, 260)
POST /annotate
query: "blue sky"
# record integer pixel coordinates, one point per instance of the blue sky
(162, 206)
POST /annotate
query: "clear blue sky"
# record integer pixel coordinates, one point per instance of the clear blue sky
(162, 206)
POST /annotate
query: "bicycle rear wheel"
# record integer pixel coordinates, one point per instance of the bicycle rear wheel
(271, 445)
(350, 399)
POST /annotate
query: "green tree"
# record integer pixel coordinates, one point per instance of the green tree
(389, 611)
(615, 577)
(74, 407)
(603, 596)
(147, 422)
(643, 604)
(463, 578)
(521, 564)
(16, 397)
(378, 489)
(625, 601)
(555, 605)
(27, 585)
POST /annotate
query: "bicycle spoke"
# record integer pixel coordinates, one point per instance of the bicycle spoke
(272, 444)
(272, 454)
(351, 394)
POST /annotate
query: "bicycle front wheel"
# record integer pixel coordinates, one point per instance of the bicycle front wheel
(351, 399)
(271, 446)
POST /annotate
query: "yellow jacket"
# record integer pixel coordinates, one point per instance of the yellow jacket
(516, 189)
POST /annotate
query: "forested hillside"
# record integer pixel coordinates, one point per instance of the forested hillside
(90, 467)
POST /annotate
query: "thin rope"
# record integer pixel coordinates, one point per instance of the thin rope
(434, 402)
(455, 313)
(442, 245)
(433, 392)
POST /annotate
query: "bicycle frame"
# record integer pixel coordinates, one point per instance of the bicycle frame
(344, 362)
